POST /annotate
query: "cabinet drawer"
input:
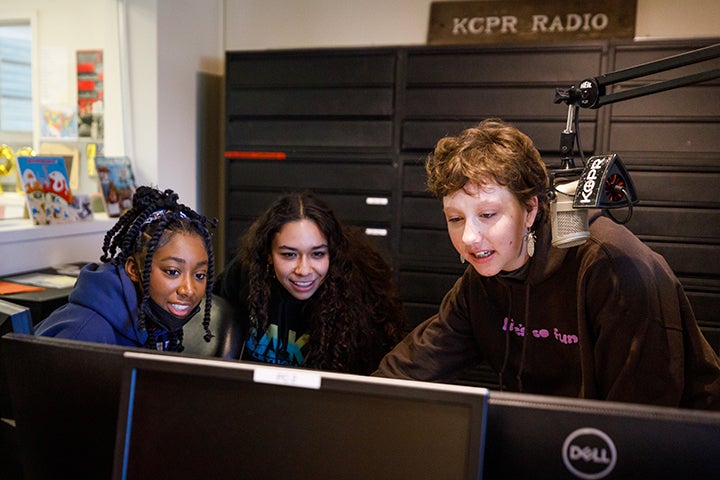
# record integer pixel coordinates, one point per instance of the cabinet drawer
(424, 134)
(696, 102)
(504, 102)
(419, 245)
(310, 102)
(690, 259)
(653, 136)
(560, 68)
(381, 236)
(687, 189)
(349, 208)
(318, 68)
(288, 134)
(423, 213)
(286, 175)
(680, 224)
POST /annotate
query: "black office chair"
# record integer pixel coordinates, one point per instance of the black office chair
(227, 341)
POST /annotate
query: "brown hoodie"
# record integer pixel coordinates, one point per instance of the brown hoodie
(605, 320)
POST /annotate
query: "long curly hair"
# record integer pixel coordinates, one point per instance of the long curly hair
(155, 217)
(357, 313)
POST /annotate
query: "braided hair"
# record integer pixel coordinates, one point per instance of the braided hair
(154, 218)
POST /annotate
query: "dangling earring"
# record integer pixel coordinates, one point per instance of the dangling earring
(462, 259)
(530, 237)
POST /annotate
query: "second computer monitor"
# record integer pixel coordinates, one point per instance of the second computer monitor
(544, 437)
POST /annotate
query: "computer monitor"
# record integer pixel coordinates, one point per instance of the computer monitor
(14, 318)
(196, 418)
(543, 437)
(65, 396)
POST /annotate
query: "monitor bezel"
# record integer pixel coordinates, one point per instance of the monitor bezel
(474, 397)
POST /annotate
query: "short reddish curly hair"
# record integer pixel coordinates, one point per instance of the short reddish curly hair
(493, 151)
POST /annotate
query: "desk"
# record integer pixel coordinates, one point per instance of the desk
(42, 303)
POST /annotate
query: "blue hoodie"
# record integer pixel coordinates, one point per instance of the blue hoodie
(102, 308)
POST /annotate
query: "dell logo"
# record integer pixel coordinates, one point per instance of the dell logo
(589, 453)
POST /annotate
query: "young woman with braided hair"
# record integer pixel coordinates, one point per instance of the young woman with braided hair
(157, 265)
(311, 293)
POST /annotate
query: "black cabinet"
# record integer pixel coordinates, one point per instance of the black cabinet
(354, 125)
(321, 120)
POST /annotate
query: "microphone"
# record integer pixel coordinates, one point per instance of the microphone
(604, 183)
(569, 225)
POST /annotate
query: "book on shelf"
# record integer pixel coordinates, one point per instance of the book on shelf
(47, 190)
(117, 183)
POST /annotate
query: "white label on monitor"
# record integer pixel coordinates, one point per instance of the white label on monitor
(280, 376)
(376, 232)
(376, 201)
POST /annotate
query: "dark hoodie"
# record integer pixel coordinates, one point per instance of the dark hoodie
(605, 320)
(102, 308)
(285, 342)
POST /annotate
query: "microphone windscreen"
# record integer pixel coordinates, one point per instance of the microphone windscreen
(569, 225)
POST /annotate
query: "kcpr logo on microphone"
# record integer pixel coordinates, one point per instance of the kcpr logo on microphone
(589, 453)
(604, 183)
(591, 181)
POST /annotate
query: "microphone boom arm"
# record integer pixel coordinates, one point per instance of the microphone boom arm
(604, 182)
(590, 93)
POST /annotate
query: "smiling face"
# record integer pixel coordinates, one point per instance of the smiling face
(178, 277)
(300, 258)
(487, 226)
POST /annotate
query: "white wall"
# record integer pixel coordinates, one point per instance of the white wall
(663, 19)
(170, 43)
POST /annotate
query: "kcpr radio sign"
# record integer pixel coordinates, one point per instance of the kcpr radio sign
(516, 21)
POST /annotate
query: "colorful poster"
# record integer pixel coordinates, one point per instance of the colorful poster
(90, 80)
(58, 121)
(117, 182)
(47, 190)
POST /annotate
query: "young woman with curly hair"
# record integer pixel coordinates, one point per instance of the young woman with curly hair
(157, 266)
(311, 292)
(606, 319)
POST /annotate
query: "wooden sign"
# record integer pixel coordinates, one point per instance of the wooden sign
(516, 21)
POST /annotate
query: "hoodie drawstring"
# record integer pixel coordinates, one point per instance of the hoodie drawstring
(506, 355)
(526, 320)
